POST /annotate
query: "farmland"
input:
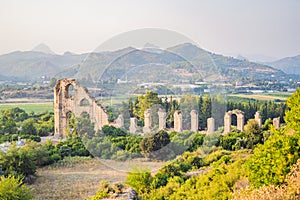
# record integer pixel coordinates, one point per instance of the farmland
(264, 97)
(29, 107)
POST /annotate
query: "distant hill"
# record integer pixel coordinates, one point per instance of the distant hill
(43, 48)
(290, 65)
(226, 67)
(184, 62)
(31, 65)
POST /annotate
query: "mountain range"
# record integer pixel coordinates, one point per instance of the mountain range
(183, 62)
(289, 65)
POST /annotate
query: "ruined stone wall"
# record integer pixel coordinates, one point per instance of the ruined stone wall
(71, 97)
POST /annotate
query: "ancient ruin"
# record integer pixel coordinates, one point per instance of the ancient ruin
(161, 119)
(258, 119)
(178, 121)
(133, 125)
(119, 122)
(194, 121)
(71, 97)
(147, 121)
(276, 122)
(210, 125)
(227, 120)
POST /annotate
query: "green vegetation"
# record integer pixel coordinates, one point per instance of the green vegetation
(232, 173)
(15, 123)
(12, 188)
(28, 108)
(214, 166)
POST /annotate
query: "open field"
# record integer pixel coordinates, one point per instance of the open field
(80, 179)
(266, 97)
(29, 107)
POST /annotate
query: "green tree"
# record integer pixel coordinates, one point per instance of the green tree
(112, 131)
(205, 111)
(84, 126)
(154, 142)
(52, 82)
(272, 161)
(187, 103)
(28, 127)
(7, 125)
(19, 161)
(145, 102)
(292, 116)
(253, 133)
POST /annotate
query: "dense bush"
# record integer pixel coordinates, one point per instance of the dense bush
(12, 188)
(272, 161)
(152, 145)
(140, 179)
(289, 190)
(18, 161)
(216, 181)
(113, 143)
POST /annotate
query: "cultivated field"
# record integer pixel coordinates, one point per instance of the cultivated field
(79, 179)
(268, 97)
(29, 107)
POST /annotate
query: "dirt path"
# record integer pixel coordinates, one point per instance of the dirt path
(81, 181)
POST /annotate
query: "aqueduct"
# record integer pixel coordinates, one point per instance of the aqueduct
(227, 120)
(71, 97)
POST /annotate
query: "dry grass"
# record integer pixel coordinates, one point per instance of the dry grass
(259, 97)
(80, 180)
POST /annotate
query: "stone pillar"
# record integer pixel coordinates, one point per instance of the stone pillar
(178, 121)
(119, 123)
(240, 122)
(133, 125)
(258, 119)
(147, 121)
(276, 122)
(194, 121)
(161, 119)
(227, 122)
(210, 125)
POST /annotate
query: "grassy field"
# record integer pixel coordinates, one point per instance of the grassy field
(80, 177)
(29, 107)
(266, 97)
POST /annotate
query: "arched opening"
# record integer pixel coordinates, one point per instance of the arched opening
(70, 91)
(84, 102)
(85, 115)
(70, 121)
(234, 119)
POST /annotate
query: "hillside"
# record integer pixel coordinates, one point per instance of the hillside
(290, 65)
(31, 65)
(185, 62)
(43, 48)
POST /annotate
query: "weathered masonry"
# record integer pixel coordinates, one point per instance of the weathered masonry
(71, 97)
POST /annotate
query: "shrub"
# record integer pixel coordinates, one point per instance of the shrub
(271, 162)
(12, 188)
(18, 161)
(150, 144)
(140, 179)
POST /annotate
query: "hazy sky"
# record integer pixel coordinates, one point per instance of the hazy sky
(267, 27)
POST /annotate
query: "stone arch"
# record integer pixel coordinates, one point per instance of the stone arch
(85, 114)
(227, 120)
(68, 96)
(84, 102)
(70, 91)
